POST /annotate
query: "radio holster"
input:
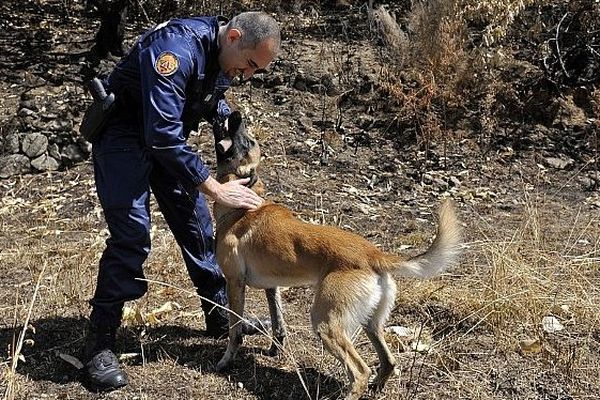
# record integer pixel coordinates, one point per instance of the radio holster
(96, 116)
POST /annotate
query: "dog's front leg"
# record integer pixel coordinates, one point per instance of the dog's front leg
(274, 300)
(236, 294)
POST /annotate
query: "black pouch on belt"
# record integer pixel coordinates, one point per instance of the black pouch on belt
(95, 117)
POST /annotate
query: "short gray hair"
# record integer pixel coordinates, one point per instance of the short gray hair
(256, 26)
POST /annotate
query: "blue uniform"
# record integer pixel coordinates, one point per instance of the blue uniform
(169, 81)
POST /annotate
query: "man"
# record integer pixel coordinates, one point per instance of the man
(174, 75)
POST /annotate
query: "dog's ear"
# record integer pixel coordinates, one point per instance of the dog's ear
(234, 121)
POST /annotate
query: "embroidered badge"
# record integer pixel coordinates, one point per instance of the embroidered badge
(166, 63)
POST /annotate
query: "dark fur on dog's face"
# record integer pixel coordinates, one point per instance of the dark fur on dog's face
(242, 158)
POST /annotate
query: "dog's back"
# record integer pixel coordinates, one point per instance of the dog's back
(279, 249)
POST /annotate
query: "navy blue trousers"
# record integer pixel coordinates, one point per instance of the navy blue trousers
(125, 173)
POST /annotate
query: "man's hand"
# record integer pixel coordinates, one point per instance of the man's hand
(232, 194)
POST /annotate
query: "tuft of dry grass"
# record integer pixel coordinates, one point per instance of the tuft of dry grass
(15, 356)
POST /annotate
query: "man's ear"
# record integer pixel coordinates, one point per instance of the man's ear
(233, 34)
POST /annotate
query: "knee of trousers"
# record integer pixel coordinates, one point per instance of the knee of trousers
(120, 276)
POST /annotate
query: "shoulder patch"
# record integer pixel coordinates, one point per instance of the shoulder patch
(166, 64)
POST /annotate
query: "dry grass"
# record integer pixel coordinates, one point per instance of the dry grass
(518, 269)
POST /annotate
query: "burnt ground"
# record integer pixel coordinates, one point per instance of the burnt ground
(335, 152)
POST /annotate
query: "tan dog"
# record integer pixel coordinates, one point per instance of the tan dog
(351, 277)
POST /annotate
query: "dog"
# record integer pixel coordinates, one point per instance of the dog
(270, 247)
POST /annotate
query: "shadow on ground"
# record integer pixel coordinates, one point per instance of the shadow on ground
(188, 347)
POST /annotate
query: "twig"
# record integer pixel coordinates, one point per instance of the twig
(412, 365)
(9, 393)
(560, 60)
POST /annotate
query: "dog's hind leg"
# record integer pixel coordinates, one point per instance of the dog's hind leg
(374, 331)
(236, 294)
(274, 300)
(337, 343)
(334, 314)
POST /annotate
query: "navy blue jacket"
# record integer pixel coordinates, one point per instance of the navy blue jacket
(169, 81)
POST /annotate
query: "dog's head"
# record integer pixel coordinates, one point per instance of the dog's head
(238, 154)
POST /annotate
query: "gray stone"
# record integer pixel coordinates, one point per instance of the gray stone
(57, 125)
(300, 83)
(440, 183)
(558, 163)
(26, 112)
(30, 104)
(85, 146)
(455, 181)
(44, 163)
(427, 179)
(73, 153)
(54, 151)
(276, 80)
(11, 143)
(14, 164)
(35, 144)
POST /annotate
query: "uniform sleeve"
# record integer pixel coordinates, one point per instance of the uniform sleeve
(166, 66)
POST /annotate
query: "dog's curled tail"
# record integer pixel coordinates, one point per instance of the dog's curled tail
(443, 252)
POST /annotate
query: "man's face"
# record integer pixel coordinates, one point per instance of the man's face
(238, 61)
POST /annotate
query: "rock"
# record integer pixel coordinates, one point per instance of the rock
(440, 183)
(300, 83)
(305, 123)
(44, 163)
(326, 83)
(11, 144)
(54, 151)
(427, 179)
(59, 125)
(276, 80)
(35, 144)
(14, 164)
(558, 163)
(30, 104)
(455, 181)
(26, 112)
(73, 153)
(587, 183)
(569, 114)
(84, 145)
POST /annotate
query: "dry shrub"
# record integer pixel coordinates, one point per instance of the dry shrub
(495, 15)
(439, 63)
(426, 64)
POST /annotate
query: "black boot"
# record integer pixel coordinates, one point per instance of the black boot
(101, 365)
(217, 322)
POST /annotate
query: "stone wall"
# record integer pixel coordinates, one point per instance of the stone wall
(43, 135)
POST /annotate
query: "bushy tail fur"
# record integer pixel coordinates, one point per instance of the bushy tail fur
(442, 253)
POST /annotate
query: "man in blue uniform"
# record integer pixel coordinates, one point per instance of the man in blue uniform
(175, 75)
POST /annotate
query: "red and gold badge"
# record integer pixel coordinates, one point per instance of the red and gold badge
(166, 63)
